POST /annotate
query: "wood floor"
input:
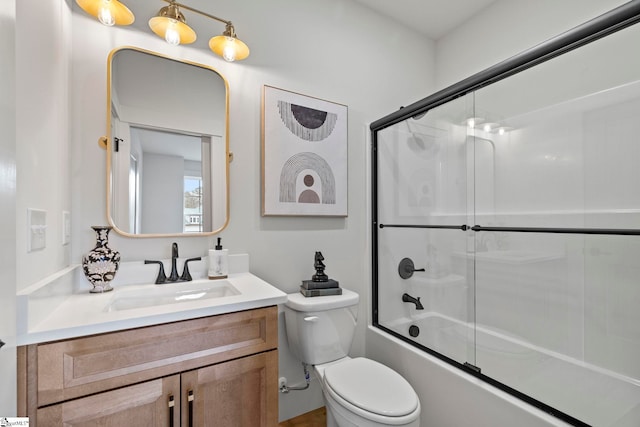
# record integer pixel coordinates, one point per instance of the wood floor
(316, 418)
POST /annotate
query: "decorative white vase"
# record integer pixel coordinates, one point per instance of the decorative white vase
(101, 264)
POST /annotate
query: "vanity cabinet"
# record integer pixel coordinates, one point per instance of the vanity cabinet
(234, 393)
(151, 403)
(210, 371)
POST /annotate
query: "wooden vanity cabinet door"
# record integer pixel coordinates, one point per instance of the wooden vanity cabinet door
(146, 404)
(238, 393)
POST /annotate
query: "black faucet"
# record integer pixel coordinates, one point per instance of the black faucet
(174, 258)
(173, 277)
(408, 298)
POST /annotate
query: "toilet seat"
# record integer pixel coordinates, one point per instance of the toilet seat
(374, 389)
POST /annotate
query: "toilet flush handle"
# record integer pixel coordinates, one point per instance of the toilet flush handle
(311, 319)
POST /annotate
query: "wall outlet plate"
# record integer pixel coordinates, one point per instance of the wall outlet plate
(36, 229)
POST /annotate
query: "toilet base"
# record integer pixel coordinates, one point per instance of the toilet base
(339, 416)
(336, 419)
(331, 420)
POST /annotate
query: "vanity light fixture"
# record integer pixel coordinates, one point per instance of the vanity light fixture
(228, 45)
(108, 12)
(171, 25)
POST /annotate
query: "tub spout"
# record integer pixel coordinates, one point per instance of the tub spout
(408, 298)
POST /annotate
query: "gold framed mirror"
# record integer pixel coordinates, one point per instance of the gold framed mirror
(167, 146)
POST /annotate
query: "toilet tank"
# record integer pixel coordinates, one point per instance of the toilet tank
(320, 329)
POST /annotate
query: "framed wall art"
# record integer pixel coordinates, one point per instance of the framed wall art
(304, 155)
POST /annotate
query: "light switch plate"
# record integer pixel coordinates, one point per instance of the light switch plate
(66, 227)
(36, 229)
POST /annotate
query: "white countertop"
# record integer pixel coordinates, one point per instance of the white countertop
(53, 315)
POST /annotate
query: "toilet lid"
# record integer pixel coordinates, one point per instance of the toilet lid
(372, 387)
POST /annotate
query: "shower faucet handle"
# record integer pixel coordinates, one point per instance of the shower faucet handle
(406, 268)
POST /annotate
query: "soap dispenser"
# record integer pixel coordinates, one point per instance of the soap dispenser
(218, 262)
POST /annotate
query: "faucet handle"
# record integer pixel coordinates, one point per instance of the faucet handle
(162, 277)
(406, 268)
(186, 276)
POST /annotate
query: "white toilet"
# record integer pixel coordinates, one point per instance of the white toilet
(358, 392)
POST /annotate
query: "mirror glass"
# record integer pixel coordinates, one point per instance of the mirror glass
(167, 145)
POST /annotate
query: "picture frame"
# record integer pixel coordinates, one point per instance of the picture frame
(304, 155)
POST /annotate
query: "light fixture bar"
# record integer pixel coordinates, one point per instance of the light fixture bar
(184, 6)
(171, 25)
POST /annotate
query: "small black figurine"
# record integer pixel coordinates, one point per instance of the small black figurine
(320, 284)
(319, 266)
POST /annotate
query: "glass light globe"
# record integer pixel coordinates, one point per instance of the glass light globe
(229, 50)
(105, 15)
(172, 36)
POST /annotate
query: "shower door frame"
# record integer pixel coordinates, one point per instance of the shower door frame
(611, 22)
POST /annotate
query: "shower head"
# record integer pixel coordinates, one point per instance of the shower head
(422, 142)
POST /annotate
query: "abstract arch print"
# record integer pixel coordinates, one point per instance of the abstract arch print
(307, 123)
(302, 165)
(304, 152)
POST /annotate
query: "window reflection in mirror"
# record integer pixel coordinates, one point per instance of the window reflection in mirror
(168, 147)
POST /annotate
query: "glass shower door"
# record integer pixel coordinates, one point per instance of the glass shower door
(558, 240)
(423, 266)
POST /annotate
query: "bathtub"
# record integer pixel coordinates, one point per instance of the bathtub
(452, 397)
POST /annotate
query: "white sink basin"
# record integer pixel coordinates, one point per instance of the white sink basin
(171, 293)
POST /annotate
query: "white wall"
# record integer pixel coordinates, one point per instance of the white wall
(34, 153)
(43, 52)
(506, 28)
(7, 209)
(162, 194)
(334, 50)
